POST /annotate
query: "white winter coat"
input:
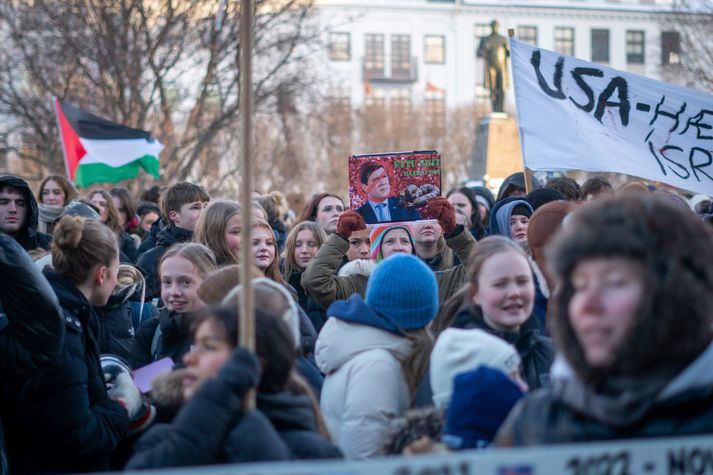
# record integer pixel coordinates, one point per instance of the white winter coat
(364, 387)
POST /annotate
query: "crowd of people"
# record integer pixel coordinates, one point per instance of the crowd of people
(570, 313)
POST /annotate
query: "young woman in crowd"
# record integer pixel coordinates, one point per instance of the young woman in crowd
(377, 342)
(465, 203)
(301, 246)
(181, 271)
(54, 194)
(125, 207)
(219, 228)
(212, 427)
(510, 218)
(499, 299)
(324, 209)
(265, 252)
(320, 278)
(109, 215)
(632, 318)
(64, 408)
(274, 204)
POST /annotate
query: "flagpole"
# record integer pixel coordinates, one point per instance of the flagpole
(528, 172)
(247, 310)
(55, 104)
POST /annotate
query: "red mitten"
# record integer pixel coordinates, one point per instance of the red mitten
(349, 221)
(442, 210)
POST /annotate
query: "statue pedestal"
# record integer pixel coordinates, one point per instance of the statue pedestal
(497, 153)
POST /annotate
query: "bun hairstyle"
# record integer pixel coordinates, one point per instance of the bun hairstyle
(274, 205)
(79, 244)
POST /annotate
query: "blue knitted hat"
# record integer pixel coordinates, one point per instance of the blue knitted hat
(404, 290)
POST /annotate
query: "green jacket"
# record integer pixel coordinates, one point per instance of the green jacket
(320, 279)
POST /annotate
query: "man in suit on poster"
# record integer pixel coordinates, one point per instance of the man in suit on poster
(380, 207)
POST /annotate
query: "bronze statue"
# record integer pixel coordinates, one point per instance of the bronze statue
(495, 51)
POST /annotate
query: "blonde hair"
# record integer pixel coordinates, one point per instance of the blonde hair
(200, 256)
(79, 244)
(289, 263)
(274, 205)
(210, 230)
(486, 248)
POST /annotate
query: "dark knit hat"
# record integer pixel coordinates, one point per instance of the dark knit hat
(404, 290)
(481, 401)
(521, 210)
(541, 196)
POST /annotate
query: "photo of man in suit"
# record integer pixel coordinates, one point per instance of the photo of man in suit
(380, 207)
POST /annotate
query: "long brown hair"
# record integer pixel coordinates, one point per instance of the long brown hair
(79, 244)
(309, 212)
(289, 263)
(415, 365)
(70, 192)
(210, 230)
(273, 270)
(112, 215)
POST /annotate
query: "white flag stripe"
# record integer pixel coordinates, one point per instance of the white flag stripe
(117, 153)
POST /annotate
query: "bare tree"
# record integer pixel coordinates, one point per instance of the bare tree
(692, 27)
(169, 66)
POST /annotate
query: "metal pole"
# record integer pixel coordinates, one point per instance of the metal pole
(528, 172)
(247, 307)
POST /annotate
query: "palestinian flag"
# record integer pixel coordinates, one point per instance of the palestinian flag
(97, 151)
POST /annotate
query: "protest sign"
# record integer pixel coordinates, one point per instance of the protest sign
(577, 115)
(393, 187)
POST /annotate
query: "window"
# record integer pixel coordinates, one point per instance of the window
(528, 34)
(600, 46)
(564, 40)
(670, 48)
(634, 47)
(374, 54)
(400, 56)
(400, 102)
(435, 110)
(375, 100)
(434, 49)
(339, 47)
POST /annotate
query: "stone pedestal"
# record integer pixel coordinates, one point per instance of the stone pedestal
(497, 152)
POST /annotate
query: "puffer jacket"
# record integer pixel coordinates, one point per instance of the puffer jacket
(364, 387)
(63, 408)
(28, 237)
(322, 283)
(148, 261)
(174, 341)
(536, 350)
(571, 411)
(291, 415)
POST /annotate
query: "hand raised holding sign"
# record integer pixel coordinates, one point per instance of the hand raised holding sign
(442, 210)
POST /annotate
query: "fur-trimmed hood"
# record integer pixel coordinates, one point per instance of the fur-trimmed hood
(357, 267)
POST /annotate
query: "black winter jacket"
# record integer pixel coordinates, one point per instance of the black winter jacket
(212, 428)
(114, 326)
(28, 237)
(174, 341)
(128, 247)
(60, 418)
(316, 313)
(149, 260)
(536, 351)
(571, 411)
(31, 336)
(291, 415)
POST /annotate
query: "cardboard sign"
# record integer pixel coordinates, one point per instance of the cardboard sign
(393, 187)
(577, 115)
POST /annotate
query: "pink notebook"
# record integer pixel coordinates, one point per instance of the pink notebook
(144, 376)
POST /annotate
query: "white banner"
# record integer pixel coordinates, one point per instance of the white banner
(577, 115)
(669, 456)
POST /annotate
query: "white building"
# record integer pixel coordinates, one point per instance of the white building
(402, 52)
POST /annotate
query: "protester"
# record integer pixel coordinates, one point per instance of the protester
(499, 301)
(274, 204)
(596, 186)
(126, 208)
(181, 206)
(510, 218)
(301, 246)
(219, 228)
(324, 209)
(19, 213)
(418, 431)
(54, 193)
(109, 215)
(31, 336)
(486, 200)
(213, 426)
(431, 247)
(632, 318)
(181, 270)
(64, 408)
(466, 204)
(514, 186)
(148, 214)
(387, 239)
(380, 341)
(567, 187)
(218, 283)
(265, 252)
(542, 196)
